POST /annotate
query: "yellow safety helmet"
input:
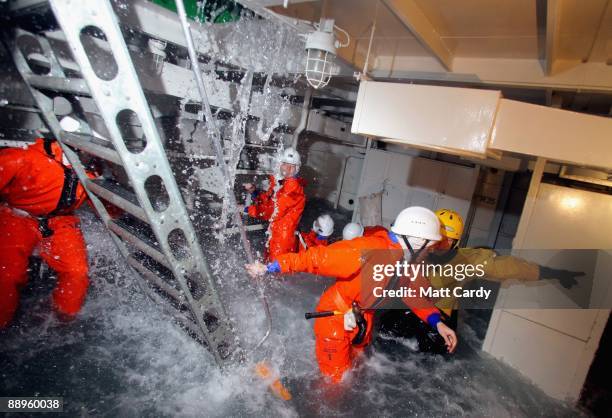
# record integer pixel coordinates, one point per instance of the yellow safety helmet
(451, 223)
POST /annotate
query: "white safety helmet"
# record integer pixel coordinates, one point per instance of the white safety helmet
(419, 226)
(352, 230)
(290, 156)
(324, 225)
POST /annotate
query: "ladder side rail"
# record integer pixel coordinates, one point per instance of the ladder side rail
(123, 92)
(175, 215)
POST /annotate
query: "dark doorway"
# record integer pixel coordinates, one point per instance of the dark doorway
(597, 391)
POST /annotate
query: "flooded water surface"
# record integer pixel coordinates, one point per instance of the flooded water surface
(123, 356)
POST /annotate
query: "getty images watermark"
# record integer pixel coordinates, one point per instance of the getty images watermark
(472, 278)
(384, 273)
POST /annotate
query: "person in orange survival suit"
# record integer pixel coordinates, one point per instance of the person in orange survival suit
(282, 207)
(415, 230)
(38, 194)
(322, 229)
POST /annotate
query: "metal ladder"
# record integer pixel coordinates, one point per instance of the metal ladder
(158, 241)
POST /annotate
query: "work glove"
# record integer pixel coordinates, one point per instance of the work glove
(567, 278)
(350, 322)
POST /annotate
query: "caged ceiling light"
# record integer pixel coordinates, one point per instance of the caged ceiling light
(321, 48)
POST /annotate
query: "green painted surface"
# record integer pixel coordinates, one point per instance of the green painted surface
(217, 11)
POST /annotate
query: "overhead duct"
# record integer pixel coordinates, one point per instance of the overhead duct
(554, 134)
(479, 123)
(453, 120)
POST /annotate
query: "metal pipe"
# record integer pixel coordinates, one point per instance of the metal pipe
(469, 219)
(303, 117)
(364, 72)
(361, 177)
(213, 131)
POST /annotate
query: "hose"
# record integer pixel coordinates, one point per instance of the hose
(322, 314)
(362, 325)
(213, 131)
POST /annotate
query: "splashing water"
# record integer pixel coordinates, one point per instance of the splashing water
(259, 46)
(124, 357)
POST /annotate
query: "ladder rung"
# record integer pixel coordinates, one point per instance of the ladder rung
(83, 143)
(272, 147)
(191, 327)
(248, 228)
(22, 7)
(140, 241)
(65, 85)
(22, 108)
(242, 171)
(205, 301)
(152, 277)
(118, 196)
(220, 335)
(155, 280)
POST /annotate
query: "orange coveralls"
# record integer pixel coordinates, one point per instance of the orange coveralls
(371, 230)
(311, 239)
(31, 184)
(283, 209)
(343, 260)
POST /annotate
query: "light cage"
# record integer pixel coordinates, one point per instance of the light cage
(319, 67)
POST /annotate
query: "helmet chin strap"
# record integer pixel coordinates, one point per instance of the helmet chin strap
(409, 252)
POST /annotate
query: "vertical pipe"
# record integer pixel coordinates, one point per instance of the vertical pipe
(364, 72)
(530, 201)
(361, 178)
(499, 210)
(469, 218)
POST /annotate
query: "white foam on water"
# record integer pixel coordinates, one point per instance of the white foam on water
(410, 343)
(125, 357)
